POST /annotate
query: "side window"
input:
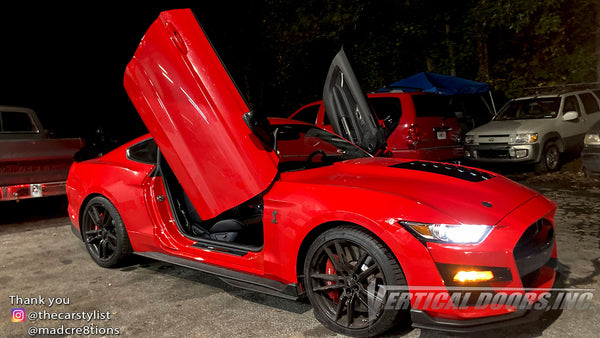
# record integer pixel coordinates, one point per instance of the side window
(145, 152)
(387, 107)
(308, 114)
(16, 122)
(589, 103)
(571, 104)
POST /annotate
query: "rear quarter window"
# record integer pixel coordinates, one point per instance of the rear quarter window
(432, 106)
(144, 152)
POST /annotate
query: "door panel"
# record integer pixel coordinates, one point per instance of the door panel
(347, 107)
(195, 113)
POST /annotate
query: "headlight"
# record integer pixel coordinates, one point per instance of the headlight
(449, 233)
(526, 138)
(592, 139)
(469, 139)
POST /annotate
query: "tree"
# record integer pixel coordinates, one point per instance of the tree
(512, 44)
(535, 43)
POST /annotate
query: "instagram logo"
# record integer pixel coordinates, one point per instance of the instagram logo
(18, 315)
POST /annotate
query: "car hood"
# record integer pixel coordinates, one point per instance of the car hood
(197, 116)
(508, 127)
(466, 195)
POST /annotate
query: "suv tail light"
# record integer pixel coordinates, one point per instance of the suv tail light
(413, 136)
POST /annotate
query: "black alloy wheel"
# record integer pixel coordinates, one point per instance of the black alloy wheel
(104, 233)
(345, 274)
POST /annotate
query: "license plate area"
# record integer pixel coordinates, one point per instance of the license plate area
(35, 190)
(441, 135)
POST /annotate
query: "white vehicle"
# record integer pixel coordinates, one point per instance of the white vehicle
(535, 129)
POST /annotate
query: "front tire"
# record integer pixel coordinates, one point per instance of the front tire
(104, 233)
(550, 161)
(345, 268)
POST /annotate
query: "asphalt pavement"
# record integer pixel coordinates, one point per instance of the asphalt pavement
(44, 269)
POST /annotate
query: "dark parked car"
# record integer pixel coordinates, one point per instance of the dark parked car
(591, 150)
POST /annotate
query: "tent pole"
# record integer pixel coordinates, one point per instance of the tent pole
(493, 104)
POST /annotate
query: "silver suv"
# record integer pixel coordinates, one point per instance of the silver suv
(535, 129)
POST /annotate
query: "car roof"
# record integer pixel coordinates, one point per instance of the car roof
(276, 121)
(15, 109)
(557, 93)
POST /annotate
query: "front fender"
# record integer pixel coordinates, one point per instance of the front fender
(292, 222)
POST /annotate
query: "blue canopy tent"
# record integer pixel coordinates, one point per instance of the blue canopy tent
(440, 84)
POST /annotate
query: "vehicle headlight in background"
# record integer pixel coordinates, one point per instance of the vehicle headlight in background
(449, 233)
(526, 138)
(469, 139)
(592, 139)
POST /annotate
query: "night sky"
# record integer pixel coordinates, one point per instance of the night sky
(68, 63)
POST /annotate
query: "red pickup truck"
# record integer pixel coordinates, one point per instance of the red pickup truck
(416, 125)
(32, 164)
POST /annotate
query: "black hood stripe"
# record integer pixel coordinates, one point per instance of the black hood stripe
(463, 173)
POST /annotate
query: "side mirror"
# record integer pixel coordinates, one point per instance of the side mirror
(570, 116)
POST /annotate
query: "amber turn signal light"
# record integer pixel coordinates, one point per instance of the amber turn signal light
(473, 276)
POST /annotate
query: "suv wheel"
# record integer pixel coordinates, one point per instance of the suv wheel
(550, 161)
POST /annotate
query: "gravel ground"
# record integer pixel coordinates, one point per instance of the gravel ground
(40, 257)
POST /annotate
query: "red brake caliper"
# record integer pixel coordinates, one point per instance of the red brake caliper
(330, 270)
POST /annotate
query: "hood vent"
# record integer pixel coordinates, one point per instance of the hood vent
(463, 173)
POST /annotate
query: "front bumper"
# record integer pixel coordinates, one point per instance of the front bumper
(521, 253)
(422, 320)
(503, 152)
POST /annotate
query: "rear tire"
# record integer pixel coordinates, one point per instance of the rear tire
(104, 233)
(550, 161)
(342, 267)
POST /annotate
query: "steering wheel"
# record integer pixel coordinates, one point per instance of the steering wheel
(309, 161)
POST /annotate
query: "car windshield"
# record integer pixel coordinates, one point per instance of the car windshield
(534, 108)
(304, 147)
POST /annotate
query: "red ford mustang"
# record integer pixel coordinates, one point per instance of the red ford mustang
(286, 208)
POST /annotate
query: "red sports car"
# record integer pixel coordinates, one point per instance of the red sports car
(286, 208)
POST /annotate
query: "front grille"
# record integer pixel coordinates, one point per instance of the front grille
(493, 139)
(493, 136)
(533, 250)
(493, 153)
